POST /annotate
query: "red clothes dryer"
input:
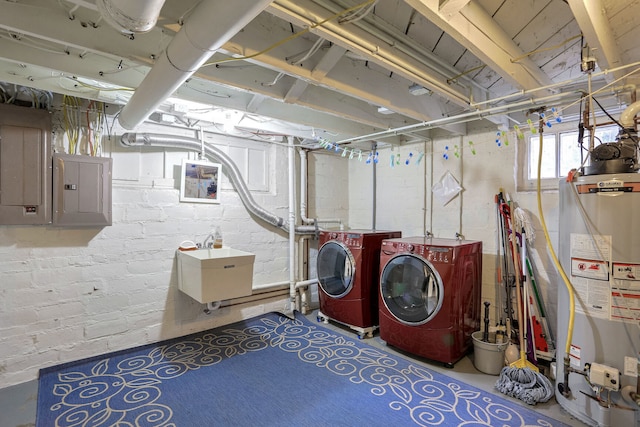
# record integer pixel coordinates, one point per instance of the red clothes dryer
(348, 266)
(429, 297)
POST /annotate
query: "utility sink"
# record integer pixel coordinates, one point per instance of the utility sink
(209, 275)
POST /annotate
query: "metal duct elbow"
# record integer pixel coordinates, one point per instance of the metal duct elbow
(627, 118)
(231, 170)
(130, 16)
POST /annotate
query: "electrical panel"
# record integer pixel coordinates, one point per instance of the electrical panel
(25, 166)
(81, 190)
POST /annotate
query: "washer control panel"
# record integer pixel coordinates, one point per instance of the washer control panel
(434, 254)
(352, 240)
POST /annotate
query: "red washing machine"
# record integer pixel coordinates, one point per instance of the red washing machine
(429, 297)
(348, 266)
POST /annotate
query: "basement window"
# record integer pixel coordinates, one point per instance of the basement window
(561, 152)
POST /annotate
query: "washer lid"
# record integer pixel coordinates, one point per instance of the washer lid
(411, 289)
(336, 268)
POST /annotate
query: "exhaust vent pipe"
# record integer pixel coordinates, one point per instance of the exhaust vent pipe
(130, 16)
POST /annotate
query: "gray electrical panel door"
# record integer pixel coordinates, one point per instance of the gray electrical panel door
(25, 166)
(81, 190)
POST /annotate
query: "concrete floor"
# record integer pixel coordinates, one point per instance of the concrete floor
(18, 403)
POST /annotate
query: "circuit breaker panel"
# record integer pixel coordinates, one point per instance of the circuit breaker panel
(25, 166)
(81, 190)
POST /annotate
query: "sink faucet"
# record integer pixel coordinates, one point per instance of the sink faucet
(208, 241)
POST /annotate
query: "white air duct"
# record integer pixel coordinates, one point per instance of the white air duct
(211, 24)
(627, 118)
(130, 16)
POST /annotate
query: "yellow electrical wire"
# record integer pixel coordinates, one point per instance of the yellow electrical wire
(293, 36)
(558, 46)
(103, 89)
(567, 282)
(70, 109)
(452, 79)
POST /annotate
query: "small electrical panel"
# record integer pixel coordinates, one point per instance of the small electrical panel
(81, 190)
(25, 166)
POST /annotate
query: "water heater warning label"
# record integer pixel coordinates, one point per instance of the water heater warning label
(626, 271)
(625, 292)
(625, 305)
(574, 355)
(589, 268)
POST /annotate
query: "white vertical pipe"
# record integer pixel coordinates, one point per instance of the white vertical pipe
(461, 185)
(305, 293)
(303, 188)
(292, 222)
(211, 24)
(374, 191)
(303, 196)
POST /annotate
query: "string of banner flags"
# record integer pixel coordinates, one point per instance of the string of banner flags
(373, 157)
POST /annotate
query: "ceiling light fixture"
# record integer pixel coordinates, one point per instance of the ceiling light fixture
(416, 90)
(385, 110)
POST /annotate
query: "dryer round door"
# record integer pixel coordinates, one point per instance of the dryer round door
(411, 289)
(336, 268)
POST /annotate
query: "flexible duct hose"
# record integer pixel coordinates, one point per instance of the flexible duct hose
(231, 170)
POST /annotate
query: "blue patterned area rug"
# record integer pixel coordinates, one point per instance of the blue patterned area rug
(266, 371)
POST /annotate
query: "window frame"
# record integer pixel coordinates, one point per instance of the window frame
(523, 182)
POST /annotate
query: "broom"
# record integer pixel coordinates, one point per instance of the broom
(521, 379)
(523, 362)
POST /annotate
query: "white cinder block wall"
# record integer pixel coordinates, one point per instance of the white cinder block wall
(405, 201)
(70, 293)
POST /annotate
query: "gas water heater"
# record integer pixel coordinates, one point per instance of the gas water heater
(599, 248)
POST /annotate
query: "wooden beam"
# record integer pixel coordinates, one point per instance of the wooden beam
(451, 7)
(474, 28)
(597, 32)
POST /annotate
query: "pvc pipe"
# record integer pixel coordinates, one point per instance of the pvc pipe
(271, 286)
(301, 274)
(303, 195)
(462, 118)
(130, 16)
(292, 221)
(386, 32)
(212, 306)
(379, 53)
(211, 24)
(305, 283)
(374, 189)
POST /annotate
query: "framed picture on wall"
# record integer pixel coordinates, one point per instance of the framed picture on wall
(200, 181)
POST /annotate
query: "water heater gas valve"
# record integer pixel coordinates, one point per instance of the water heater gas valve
(604, 376)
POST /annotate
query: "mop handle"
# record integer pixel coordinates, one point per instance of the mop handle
(518, 296)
